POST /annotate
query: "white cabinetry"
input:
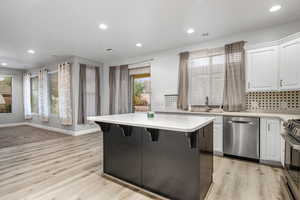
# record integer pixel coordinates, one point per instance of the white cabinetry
(290, 65)
(262, 69)
(274, 67)
(218, 135)
(270, 141)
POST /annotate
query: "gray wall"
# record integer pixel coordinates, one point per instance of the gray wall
(17, 114)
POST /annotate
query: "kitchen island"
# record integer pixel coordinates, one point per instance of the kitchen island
(170, 155)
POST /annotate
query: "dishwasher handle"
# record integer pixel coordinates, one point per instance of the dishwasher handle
(240, 122)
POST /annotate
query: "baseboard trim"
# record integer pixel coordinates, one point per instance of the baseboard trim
(271, 163)
(59, 130)
(13, 124)
(86, 131)
(218, 153)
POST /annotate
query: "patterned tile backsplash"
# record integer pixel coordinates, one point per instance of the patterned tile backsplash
(281, 101)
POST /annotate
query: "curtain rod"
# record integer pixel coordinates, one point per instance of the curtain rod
(213, 48)
(141, 62)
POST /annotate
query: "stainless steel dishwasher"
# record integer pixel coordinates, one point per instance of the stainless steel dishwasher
(241, 136)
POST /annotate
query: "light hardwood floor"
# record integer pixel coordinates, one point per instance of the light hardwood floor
(68, 168)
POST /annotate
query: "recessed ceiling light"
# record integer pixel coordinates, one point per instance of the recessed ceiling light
(30, 51)
(109, 50)
(4, 64)
(205, 34)
(103, 26)
(139, 44)
(275, 8)
(190, 31)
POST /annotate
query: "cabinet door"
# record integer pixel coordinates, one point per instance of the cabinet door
(206, 159)
(290, 65)
(218, 135)
(270, 140)
(122, 156)
(171, 164)
(262, 69)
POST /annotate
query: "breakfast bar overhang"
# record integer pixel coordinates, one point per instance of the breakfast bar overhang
(170, 155)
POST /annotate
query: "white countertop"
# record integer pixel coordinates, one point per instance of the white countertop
(173, 122)
(283, 117)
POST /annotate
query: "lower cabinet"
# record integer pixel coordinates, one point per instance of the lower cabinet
(270, 140)
(218, 135)
(173, 164)
(122, 153)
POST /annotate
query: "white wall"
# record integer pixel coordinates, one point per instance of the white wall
(164, 67)
(17, 114)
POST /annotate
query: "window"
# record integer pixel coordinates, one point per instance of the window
(141, 92)
(5, 94)
(53, 89)
(90, 91)
(207, 80)
(34, 94)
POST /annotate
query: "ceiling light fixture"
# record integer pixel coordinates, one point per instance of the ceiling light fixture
(103, 26)
(275, 8)
(4, 64)
(205, 34)
(30, 51)
(139, 44)
(190, 31)
(109, 50)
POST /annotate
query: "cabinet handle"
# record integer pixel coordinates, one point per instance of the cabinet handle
(269, 127)
(281, 81)
(248, 84)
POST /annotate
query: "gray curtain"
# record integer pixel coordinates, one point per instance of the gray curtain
(182, 101)
(97, 92)
(119, 90)
(84, 84)
(82, 115)
(234, 88)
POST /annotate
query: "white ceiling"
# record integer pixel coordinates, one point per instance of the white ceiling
(57, 28)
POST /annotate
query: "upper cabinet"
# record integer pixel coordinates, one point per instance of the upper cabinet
(289, 70)
(262, 69)
(275, 67)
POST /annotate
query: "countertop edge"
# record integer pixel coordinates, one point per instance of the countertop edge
(242, 114)
(208, 121)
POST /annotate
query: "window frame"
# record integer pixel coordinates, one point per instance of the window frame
(210, 58)
(12, 92)
(132, 79)
(49, 90)
(31, 77)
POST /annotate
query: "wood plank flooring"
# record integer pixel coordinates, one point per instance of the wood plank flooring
(68, 168)
(12, 136)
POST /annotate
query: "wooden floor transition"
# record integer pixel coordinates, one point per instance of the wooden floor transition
(67, 168)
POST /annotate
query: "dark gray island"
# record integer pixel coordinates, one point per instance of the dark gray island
(170, 155)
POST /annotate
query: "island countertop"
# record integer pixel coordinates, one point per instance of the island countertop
(181, 123)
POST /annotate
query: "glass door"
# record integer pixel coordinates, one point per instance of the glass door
(141, 97)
